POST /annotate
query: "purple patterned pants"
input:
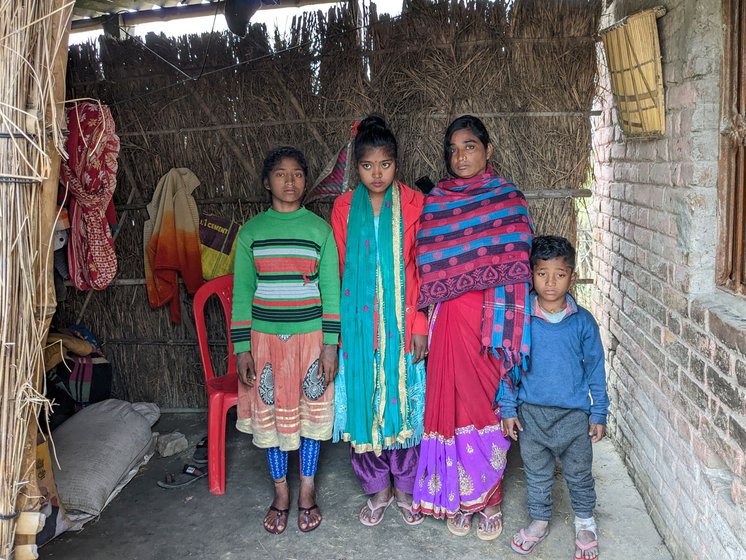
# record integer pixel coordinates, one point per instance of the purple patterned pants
(375, 473)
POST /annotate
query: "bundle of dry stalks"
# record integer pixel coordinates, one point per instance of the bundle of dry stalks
(32, 32)
(527, 67)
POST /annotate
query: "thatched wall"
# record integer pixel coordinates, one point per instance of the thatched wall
(435, 62)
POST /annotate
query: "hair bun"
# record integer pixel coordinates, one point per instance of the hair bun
(372, 121)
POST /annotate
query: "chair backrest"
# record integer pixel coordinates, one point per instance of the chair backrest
(223, 288)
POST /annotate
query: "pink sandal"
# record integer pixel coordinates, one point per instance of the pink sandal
(585, 548)
(495, 519)
(532, 542)
(404, 508)
(373, 509)
(459, 524)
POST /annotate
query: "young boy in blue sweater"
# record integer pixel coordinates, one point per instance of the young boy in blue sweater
(559, 407)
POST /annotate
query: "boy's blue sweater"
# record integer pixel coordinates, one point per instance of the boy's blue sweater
(566, 368)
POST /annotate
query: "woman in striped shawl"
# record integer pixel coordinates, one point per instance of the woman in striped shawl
(473, 257)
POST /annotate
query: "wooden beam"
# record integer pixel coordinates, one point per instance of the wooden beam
(532, 193)
(352, 119)
(128, 19)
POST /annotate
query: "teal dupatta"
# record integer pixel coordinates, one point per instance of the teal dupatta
(379, 394)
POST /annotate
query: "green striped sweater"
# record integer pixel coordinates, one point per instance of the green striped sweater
(286, 278)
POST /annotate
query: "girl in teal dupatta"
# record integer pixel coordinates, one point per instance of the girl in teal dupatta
(380, 389)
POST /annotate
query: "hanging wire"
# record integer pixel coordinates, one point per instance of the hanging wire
(234, 65)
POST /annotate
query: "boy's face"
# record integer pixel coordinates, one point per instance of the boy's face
(552, 280)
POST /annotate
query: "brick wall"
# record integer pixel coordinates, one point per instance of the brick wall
(676, 344)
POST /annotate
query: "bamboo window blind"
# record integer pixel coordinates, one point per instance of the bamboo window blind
(732, 179)
(634, 61)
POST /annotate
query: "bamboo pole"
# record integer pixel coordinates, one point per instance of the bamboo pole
(351, 119)
(33, 38)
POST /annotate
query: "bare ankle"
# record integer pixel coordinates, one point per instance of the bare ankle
(382, 495)
(537, 527)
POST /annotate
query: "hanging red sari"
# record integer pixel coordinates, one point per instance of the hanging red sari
(90, 177)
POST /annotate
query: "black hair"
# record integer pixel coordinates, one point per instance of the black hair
(464, 121)
(546, 247)
(276, 155)
(372, 133)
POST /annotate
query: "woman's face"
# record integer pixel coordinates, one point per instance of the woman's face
(376, 170)
(286, 183)
(468, 155)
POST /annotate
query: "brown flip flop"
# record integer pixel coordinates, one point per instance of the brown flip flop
(282, 514)
(304, 515)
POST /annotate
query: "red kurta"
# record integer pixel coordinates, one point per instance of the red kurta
(411, 208)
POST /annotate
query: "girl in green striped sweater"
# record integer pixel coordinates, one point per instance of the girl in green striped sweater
(285, 330)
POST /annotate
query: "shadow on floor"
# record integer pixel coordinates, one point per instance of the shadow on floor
(146, 522)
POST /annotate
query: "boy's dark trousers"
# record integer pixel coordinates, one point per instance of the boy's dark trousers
(550, 432)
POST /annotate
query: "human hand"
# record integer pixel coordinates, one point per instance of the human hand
(418, 347)
(246, 369)
(509, 426)
(329, 363)
(597, 432)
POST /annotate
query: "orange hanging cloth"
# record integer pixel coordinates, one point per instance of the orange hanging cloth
(171, 241)
(90, 176)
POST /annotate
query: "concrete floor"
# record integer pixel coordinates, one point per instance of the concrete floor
(146, 522)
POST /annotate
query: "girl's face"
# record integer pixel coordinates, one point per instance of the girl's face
(286, 183)
(376, 169)
(468, 155)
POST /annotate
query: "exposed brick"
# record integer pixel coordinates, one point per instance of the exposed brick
(656, 332)
(675, 301)
(728, 333)
(680, 275)
(680, 149)
(710, 446)
(724, 389)
(656, 288)
(737, 430)
(681, 96)
(683, 426)
(741, 372)
(684, 174)
(643, 279)
(651, 345)
(698, 340)
(697, 367)
(722, 359)
(660, 174)
(654, 308)
(719, 415)
(639, 318)
(694, 393)
(673, 323)
(678, 352)
(658, 267)
(649, 448)
(645, 151)
(642, 236)
(731, 512)
(677, 376)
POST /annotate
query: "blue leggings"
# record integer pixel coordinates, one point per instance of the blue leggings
(309, 459)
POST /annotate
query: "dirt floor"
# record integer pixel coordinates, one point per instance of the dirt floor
(146, 522)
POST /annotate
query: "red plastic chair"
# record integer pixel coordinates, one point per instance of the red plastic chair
(222, 392)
